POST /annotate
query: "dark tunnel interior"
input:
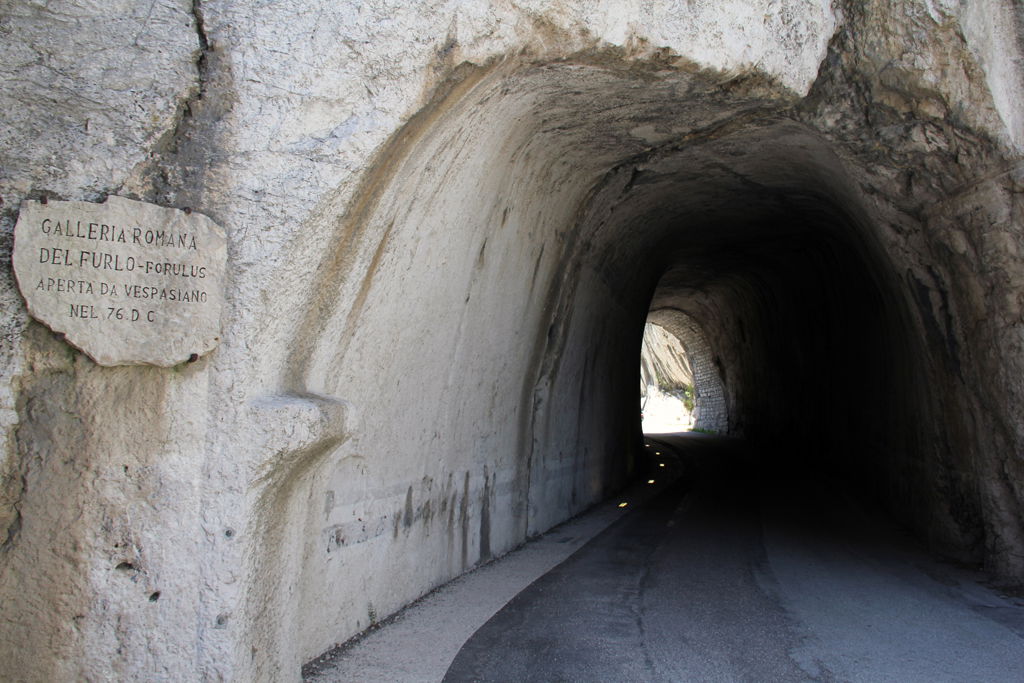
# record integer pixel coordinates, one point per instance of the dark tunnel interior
(758, 241)
(806, 329)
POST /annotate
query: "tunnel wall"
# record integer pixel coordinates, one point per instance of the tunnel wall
(437, 285)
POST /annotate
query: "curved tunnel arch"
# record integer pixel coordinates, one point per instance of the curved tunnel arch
(511, 251)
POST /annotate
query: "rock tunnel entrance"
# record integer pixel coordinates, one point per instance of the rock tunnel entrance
(518, 233)
(447, 224)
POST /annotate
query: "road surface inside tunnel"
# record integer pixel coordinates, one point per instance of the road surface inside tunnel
(731, 575)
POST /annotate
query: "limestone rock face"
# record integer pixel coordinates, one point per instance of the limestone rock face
(446, 224)
(663, 360)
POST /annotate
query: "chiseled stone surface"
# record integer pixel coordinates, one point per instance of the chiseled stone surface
(440, 221)
(125, 281)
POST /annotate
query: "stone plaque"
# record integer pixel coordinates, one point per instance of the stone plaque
(126, 282)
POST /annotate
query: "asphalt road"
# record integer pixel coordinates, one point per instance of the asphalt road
(729, 576)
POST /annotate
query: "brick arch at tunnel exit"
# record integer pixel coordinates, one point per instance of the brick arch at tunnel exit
(485, 301)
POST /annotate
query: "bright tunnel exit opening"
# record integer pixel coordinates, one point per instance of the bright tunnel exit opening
(666, 383)
(681, 388)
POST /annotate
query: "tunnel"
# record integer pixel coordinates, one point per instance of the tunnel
(510, 243)
(446, 228)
